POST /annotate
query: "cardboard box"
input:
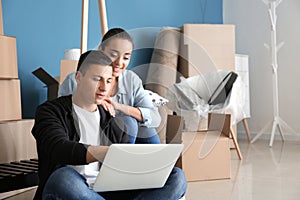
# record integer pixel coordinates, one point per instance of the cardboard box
(206, 47)
(17, 142)
(206, 154)
(8, 55)
(66, 67)
(10, 102)
(1, 20)
(51, 82)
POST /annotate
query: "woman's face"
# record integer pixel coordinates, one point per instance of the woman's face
(119, 50)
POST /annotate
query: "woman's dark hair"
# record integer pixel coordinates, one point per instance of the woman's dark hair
(115, 33)
(92, 57)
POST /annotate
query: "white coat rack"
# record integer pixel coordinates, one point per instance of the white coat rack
(274, 48)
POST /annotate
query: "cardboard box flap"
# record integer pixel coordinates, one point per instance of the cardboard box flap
(219, 122)
(174, 129)
(44, 76)
(51, 82)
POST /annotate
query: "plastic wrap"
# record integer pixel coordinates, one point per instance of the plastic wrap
(189, 99)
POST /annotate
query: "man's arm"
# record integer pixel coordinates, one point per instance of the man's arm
(96, 153)
(52, 137)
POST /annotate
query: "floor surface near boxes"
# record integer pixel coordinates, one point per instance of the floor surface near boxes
(264, 173)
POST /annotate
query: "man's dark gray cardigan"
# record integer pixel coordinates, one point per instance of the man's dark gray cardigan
(57, 137)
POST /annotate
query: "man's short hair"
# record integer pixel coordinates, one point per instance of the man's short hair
(92, 57)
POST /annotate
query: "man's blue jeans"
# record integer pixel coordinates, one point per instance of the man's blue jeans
(67, 183)
(139, 134)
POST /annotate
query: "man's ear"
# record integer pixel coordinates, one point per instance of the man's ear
(78, 76)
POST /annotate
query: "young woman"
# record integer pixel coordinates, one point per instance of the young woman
(127, 100)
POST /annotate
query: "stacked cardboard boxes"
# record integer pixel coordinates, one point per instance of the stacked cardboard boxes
(10, 103)
(16, 141)
(205, 48)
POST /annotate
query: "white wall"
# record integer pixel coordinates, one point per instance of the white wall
(252, 31)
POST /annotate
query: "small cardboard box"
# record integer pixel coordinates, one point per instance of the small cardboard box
(17, 142)
(206, 47)
(1, 20)
(52, 84)
(206, 154)
(66, 67)
(10, 102)
(8, 57)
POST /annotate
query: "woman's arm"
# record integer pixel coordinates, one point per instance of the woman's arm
(133, 101)
(112, 106)
(129, 110)
(136, 97)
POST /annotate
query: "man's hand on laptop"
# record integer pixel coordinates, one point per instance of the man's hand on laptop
(96, 153)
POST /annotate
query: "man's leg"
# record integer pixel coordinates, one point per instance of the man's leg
(174, 189)
(67, 183)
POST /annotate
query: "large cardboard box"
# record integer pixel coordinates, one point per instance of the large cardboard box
(10, 102)
(66, 67)
(1, 20)
(206, 47)
(16, 141)
(206, 154)
(8, 57)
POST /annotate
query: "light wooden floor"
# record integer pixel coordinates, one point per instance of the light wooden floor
(264, 173)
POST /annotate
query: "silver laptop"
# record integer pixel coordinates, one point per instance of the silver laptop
(136, 166)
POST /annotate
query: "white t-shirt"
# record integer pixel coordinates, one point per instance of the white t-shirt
(89, 126)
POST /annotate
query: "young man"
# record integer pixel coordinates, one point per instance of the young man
(73, 134)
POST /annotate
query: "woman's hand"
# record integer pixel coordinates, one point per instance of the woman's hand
(107, 104)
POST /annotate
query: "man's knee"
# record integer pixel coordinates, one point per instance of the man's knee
(179, 178)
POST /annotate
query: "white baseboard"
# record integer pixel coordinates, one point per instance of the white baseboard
(267, 135)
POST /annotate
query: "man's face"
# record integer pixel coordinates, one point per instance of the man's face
(119, 50)
(95, 84)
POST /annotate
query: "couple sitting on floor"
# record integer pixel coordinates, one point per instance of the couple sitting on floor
(100, 104)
